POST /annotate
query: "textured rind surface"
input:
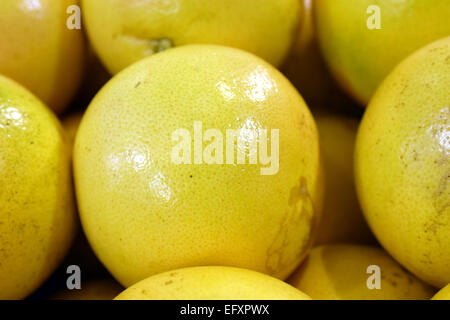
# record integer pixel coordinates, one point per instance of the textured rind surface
(123, 32)
(39, 51)
(403, 167)
(37, 219)
(360, 58)
(144, 215)
(212, 283)
(341, 272)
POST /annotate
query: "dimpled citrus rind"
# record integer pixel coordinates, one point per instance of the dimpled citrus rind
(123, 32)
(144, 214)
(211, 283)
(361, 57)
(402, 163)
(37, 214)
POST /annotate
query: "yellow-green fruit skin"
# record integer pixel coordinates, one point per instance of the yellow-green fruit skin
(402, 163)
(39, 51)
(443, 294)
(123, 32)
(340, 272)
(211, 283)
(361, 57)
(342, 219)
(37, 219)
(144, 214)
(103, 289)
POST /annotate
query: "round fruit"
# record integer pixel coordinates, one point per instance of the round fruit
(211, 283)
(123, 32)
(350, 272)
(444, 294)
(37, 218)
(402, 163)
(359, 55)
(305, 66)
(38, 50)
(105, 289)
(342, 219)
(145, 210)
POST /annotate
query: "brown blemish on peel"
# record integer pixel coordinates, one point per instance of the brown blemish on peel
(298, 215)
(441, 195)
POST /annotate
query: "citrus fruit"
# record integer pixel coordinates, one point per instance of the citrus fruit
(347, 272)
(443, 294)
(145, 210)
(38, 50)
(211, 283)
(342, 219)
(402, 163)
(359, 55)
(37, 218)
(305, 66)
(123, 32)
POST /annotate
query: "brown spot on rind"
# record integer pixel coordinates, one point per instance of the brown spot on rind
(300, 206)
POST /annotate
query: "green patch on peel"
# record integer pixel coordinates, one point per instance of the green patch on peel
(159, 45)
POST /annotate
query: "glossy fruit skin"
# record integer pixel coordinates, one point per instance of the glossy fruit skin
(39, 51)
(144, 214)
(339, 272)
(211, 283)
(443, 294)
(37, 220)
(359, 57)
(342, 219)
(402, 163)
(123, 32)
(99, 289)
